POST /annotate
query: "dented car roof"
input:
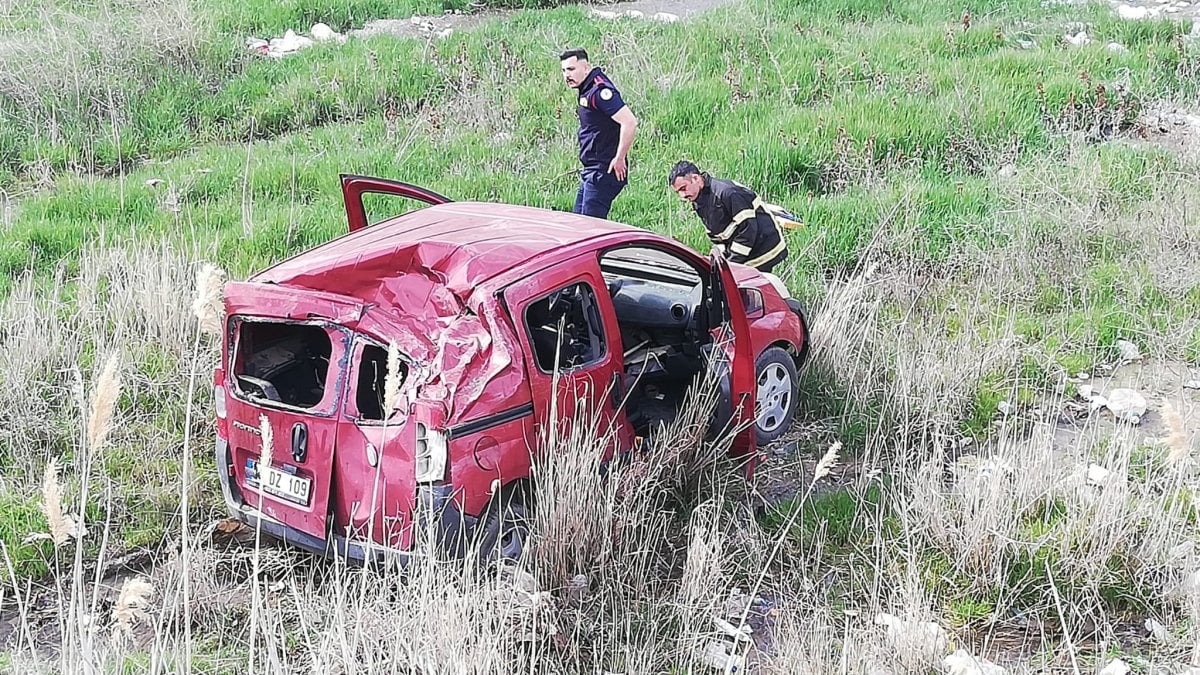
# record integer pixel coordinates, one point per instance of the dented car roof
(459, 245)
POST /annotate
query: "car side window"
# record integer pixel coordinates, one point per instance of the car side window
(565, 329)
(372, 382)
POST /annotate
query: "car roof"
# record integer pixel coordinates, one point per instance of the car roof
(460, 244)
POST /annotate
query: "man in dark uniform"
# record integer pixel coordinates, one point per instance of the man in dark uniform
(748, 230)
(606, 130)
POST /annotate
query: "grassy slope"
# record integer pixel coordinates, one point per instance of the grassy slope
(885, 127)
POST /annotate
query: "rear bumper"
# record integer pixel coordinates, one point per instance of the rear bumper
(436, 513)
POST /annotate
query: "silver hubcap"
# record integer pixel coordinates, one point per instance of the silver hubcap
(774, 397)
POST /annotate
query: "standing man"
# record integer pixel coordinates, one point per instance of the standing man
(606, 130)
(748, 230)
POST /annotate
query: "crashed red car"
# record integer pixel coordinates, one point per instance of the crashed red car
(499, 314)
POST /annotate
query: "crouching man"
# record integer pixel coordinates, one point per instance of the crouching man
(748, 230)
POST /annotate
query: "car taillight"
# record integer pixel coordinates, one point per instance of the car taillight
(430, 454)
(219, 401)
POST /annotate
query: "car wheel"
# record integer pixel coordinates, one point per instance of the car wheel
(776, 394)
(504, 530)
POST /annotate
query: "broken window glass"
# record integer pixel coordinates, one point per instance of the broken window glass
(283, 362)
(565, 328)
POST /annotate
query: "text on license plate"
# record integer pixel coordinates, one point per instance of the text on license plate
(283, 484)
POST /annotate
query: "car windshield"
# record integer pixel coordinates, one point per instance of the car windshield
(650, 260)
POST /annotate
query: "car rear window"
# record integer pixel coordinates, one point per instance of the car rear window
(283, 363)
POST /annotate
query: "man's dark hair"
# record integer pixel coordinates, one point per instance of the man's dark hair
(579, 53)
(681, 169)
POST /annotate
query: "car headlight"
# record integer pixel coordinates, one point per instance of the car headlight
(430, 454)
(219, 401)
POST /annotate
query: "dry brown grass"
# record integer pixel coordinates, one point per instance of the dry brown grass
(83, 55)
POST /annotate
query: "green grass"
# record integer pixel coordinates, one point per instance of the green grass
(874, 120)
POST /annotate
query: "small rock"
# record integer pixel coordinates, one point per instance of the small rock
(445, 33)
(664, 17)
(1132, 13)
(1084, 376)
(154, 182)
(1116, 666)
(1007, 171)
(1096, 403)
(1158, 631)
(634, 14)
(1004, 408)
(1026, 44)
(1078, 39)
(1097, 475)
(1127, 405)
(322, 32)
(1117, 48)
(1085, 391)
(1128, 350)
(603, 14)
(577, 588)
(1192, 384)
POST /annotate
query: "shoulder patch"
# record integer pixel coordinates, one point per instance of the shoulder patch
(606, 94)
(582, 102)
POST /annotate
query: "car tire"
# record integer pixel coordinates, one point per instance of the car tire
(504, 530)
(776, 394)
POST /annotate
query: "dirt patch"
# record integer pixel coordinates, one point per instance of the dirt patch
(1163, 385)
(1164, 126)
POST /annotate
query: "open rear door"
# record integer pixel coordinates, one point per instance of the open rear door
(354, 187)
(731, 333)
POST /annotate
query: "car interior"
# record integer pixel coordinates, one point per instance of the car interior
(658, 298)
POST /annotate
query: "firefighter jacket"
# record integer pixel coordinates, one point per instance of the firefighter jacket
(739, 222)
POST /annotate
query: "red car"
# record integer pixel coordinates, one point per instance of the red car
(498, 314)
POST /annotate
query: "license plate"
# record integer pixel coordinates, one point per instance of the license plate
(284, 485)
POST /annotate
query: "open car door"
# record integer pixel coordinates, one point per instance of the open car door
(354, 187)
(733, 355)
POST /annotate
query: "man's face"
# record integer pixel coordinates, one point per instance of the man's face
(688, 187)
(574, 69)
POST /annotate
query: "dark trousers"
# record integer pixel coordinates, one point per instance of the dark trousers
(597, 190)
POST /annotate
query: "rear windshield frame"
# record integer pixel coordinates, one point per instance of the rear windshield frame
(337, 365)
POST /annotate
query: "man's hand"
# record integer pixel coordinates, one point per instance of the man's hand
(629, 124)
(618, 167)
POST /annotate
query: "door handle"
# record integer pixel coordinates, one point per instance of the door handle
(299, 441)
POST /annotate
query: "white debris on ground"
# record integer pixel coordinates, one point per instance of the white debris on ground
(1097, 475)
(1158, 631)
(661, 17)
(292, 42)
(1128, 351)
(428, 27)
(962, 662)
(1115, 667)
(1139, 12)
(1078, 39)
(1127, 405)
(924, 640)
